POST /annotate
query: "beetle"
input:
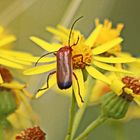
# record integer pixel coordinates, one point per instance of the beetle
(64, 70)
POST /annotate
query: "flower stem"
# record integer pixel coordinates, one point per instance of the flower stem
(81, 111)
(72, 114)
(91, 127)
(70, 12)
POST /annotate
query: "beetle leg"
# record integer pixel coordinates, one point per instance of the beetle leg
(78, 87)
(51, 73)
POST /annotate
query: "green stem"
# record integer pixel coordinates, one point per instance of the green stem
(81, 111)
(91, 127)
(72, 114)
(70, 12)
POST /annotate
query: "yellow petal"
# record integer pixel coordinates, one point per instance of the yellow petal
(79, 76)
(52, 81)
(45, 45)
(40, 69)
(93, 36)
(57, 33)
(136, 99)
(34, 59)
(10, 64)
(63, 29)
(7, 40)
(27, 94)
(14, 59)
(97, 75)
(23, 99)
(14, 53)
(109, 67)
(1, 80)
(106, 46)
(114, 59)
(13, 85)
(116, 84)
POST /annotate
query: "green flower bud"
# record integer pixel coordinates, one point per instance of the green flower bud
(114, 106)
(7, 103)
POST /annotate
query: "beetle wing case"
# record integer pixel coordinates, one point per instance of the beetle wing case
(64, 67)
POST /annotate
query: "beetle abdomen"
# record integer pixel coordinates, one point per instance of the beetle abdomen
(64, 67)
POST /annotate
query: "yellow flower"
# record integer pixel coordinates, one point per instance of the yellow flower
(108, 33)
(126, 86)
(9, 58)
(20, 114)
(84, 56)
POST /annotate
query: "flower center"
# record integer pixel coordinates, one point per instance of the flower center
(34, 133)
(81, 56)
(6, 75)
(132, 83)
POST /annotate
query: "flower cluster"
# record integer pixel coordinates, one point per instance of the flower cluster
(95, 54)
(14, 98)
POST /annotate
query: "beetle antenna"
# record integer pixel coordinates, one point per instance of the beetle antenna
(42, 57)
(72, 29)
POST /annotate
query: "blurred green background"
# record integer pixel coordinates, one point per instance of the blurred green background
(30, 17)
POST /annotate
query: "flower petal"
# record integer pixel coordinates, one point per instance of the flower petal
(63, 29)
(13, 85)
(116, 84)
(106, 46)
(34, 59)
(1, 80)
(23, 99)
(14, 53)
(137, 99)
(80, 79)
(10, 64)
(45, 45)
(7, 40)
(52, 81)
(57, 33)
(93, 36)
(109, 67)
(14, 59)
(40, 69)
(114, 59)
(97, 75)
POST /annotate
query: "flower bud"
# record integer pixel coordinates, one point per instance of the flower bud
(114, 106)
(7, 103)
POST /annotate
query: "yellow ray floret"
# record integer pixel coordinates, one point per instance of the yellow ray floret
(1, 80)
(45, 45)
(80, 79)
(13, 85)
(106, 46)
(114, 59)
(109, 67)
(93, 36)
(11, 64)
(97, 75)
(40, 69)
(7, 40)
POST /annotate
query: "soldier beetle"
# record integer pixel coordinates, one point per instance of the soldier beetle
(64, 70)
